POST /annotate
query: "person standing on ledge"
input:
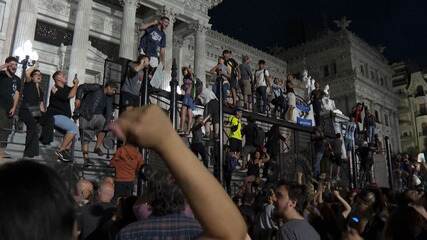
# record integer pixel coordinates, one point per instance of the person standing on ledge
(153, 42)
(10, 86)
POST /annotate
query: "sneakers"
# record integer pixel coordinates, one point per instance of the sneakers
(63, 156)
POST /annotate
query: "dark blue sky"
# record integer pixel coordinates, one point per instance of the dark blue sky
(400, 25)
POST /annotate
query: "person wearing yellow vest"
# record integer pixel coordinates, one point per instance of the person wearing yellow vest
(235, 131)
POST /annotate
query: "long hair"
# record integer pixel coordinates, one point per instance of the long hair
(34, 203)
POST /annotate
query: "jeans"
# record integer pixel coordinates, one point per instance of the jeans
(5, 126)
(317, 159)
(65, 123)
(371, 133)
(261, 99)
(197, 149)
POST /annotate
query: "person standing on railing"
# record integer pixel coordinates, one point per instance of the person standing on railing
(290, 93)
(131, 88)
(223, 74)
(246, 80)
(188, 101)
(31, 110)
(262, 83)
(60, 109)
(316, 97)
(10, 85)
(234, 76)
(153, 42)
(94, 108)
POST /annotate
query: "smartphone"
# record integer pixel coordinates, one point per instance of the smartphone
(75, 76)
(354, 222)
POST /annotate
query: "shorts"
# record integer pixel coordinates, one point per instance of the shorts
(129, 100)
(154, 62)
(246, 87)
(65, 123)
(235, 144)
(89, 128)
(212, 108)
(233, 83)
(188, 102)
(5, 127)
(348, 145)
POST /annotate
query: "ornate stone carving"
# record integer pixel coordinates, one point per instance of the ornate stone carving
(168, 12)
(198, 27)
(178, 42)
(136, 3)
(343, 23)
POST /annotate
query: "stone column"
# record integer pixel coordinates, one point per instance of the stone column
(127, 36)
(200, 51)
(26, 26)
(171, 14)
(79, 49)
(177, 54)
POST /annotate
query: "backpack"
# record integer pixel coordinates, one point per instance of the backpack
(259, 137)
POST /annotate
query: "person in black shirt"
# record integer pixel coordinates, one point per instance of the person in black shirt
(59, 108)
(316, 97)
(197, 142)
(94, 106)
(10, 86)
(30, 111)
(235, 74)
(250, 133)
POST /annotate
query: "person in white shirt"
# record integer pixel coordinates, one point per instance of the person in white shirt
(262, 82)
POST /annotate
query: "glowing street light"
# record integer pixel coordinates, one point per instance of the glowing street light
(27, 54)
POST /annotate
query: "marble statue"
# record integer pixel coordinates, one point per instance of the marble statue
(327, 103)
(309, 82)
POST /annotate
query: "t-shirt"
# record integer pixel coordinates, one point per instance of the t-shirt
(197, 133)
(133, 83)
(127, 161)
(8, 87)
(235, 122)
(297, 230)
(59, 103)
(30, 95)
(245, 71)
(232, 64)
(153, 40)
(250, 132)
(261, 75)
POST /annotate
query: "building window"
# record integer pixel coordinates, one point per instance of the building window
(326, 71)
(377, 116)
(108, 48)
(420, 91)
(53, 34)
(362, 69)
(334, 68)
(423, 109)
(424, 128)
(372, 75)
(405, 134)
(386, 119)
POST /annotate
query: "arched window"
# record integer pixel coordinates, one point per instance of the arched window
(420, 91)
(377, 116)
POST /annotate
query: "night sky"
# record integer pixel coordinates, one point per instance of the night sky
(399, 25)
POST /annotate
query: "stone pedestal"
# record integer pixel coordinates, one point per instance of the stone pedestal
(127, 36)
(79, 49)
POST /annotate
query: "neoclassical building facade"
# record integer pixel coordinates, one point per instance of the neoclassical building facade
(355, 72)
(412, 90)
(77, 36)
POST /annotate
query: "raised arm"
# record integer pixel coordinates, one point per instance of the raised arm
(74, 88)
(144, 27)
(347, 207)
(213, 208)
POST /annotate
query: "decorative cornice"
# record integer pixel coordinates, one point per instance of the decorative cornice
(199, 27)
(135, 3)
(224, 39)
(168, 12)
(178, 42)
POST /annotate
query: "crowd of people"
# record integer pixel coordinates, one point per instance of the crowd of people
(187, 201)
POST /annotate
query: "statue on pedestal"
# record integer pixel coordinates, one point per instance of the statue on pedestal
(327, 103)
(309, 82)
